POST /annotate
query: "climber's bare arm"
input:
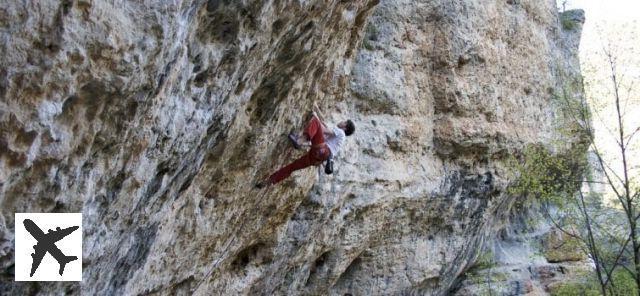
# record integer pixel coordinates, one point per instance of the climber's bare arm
(316, 112)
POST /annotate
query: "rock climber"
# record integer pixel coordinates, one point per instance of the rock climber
(325, 143)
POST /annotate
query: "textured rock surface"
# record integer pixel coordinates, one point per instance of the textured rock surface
(155, 118)
(528, 257)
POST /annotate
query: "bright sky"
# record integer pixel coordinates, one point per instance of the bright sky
(609, 10)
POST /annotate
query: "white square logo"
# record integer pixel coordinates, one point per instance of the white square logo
(48, 246)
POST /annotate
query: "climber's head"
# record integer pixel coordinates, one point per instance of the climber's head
(348, 127)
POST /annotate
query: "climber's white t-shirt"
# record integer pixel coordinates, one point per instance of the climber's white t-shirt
(335, 143)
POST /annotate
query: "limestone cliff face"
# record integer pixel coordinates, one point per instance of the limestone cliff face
(155, 119)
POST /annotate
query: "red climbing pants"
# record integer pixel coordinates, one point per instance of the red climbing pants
(318, 153)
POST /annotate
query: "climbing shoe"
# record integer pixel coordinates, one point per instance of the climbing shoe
(294, 141)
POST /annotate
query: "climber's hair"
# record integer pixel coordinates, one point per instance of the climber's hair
(350, 128)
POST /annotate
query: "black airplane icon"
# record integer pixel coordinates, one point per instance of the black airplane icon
(46, 243)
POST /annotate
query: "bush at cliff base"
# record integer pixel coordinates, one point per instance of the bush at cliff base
(624, 285)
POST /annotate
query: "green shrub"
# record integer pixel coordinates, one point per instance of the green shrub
(589, 288)
(624, 285)
(567, 23)
(548, 176)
